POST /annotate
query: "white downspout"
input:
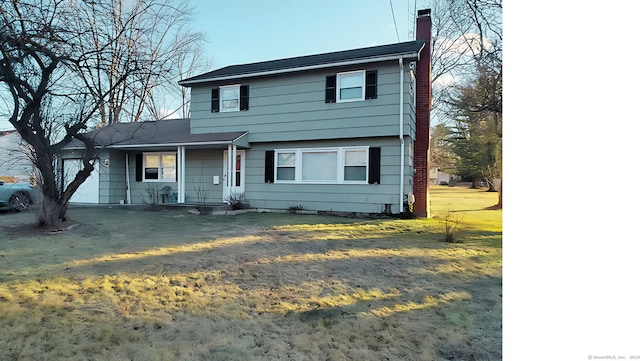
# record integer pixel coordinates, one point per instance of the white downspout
(401, 135)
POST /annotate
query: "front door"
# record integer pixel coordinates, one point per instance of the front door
(237, 186)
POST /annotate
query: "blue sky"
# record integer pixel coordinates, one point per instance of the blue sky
(247, 31)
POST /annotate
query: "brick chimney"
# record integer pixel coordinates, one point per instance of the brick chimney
(423, 116)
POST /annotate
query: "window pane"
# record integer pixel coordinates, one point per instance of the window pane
(319, 166)
(151, 160)
(287, 173)
(351, 85)
(287, 159)
(230, 93)
(169, 174)
(351, 93)
(230, 104)
(151, 173)
(351, 81)
(168, 160)
(230, 98)
(169, 167)
(355, 157)
(355, 173)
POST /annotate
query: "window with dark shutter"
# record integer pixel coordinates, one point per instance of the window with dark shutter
(139, 167)
(371, 91)
(269, 157)
(244, 97)
(215, 100)
(330, 89)
(374, 165)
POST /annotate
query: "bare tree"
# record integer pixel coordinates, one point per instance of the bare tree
(152, 35)
(466, 47)
(189, 64)
(69, 64)
(463, 32)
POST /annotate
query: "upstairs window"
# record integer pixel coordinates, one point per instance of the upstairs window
(351, 86)
(230, 98)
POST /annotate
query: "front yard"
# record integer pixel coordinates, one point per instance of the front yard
(122, 284)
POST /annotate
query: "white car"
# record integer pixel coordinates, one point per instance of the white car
(16, 196)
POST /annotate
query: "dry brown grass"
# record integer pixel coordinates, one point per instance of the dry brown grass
(168, 285)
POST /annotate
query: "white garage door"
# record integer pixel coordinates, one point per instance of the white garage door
(88, 191)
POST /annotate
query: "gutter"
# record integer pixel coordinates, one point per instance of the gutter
(217, 142)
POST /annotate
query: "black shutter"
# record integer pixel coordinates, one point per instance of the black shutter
(371, 91)
(330, 89)
(244, 97)
(139, 167)
(374, 165)
(269, 158)
(215, 100)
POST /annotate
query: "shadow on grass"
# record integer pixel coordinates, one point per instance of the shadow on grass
(218, 287)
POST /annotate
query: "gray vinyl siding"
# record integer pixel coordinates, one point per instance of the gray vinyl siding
(367, 198)
(200, 168)
(140, 190)
(113, 186)
(292, 107)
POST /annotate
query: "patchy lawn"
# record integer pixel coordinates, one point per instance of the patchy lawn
(169, 285)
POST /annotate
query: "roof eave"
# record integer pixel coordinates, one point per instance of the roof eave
(179, 144)
(405, 55)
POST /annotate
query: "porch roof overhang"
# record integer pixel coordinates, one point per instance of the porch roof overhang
(159, 135)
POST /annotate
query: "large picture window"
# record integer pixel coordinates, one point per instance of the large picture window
(322, 165)
(319, 166)
(159, 167)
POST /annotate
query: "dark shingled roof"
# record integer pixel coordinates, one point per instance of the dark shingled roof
(410, 49)
(158, 133)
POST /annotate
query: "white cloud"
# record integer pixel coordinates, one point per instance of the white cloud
(444, 80)
(466, 44)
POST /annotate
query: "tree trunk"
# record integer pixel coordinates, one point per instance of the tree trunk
(51, 214)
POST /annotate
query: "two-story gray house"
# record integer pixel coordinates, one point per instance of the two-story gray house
(345, 131)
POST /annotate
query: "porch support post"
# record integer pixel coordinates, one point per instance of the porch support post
(233, 169)
(230, 166)
(181, 175)
(128, 183)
